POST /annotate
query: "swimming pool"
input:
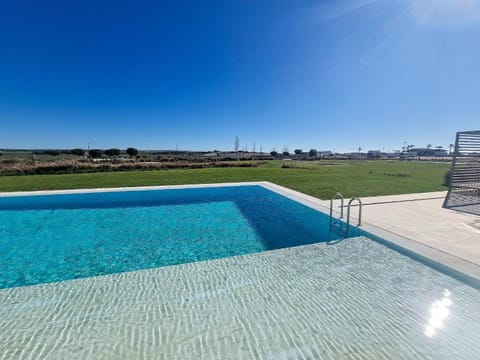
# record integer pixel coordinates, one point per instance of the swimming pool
(309, 297)
(60, 237)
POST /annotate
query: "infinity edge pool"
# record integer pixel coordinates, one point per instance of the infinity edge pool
(447, 263)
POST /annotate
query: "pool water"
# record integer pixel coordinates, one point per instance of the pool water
(59, 237)
(348, 299)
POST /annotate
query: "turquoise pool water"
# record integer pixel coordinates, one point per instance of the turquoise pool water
(349, 299)
(59, 237)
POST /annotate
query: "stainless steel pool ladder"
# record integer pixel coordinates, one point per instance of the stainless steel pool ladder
(339, 195)
(359, 212)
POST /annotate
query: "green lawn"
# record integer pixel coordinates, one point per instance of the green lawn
(323, 179)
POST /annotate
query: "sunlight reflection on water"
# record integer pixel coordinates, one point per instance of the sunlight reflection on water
(439, 311)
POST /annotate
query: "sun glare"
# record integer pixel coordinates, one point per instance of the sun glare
(446, 12)
(439, 312)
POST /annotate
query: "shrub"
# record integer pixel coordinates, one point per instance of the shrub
(446, 178)
(112, 152)
(78, 152)
(52, 152)
(95, 153)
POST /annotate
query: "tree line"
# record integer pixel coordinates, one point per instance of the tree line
(311, 152)
(98, 153)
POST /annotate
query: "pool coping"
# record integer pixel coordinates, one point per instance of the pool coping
(443, 261)
(463, 269)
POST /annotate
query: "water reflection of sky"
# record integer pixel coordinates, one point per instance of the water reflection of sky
(439, 311)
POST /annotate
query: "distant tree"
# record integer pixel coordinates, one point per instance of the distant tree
(53, 152)
(298, 151)
(132, 152)
(450, 147)
(273, 153)
(313, 152)
(95, 153)
(439, 147)
(112, 152)
(359, 152)
(429, 146)
(78, 152)
(286, 153)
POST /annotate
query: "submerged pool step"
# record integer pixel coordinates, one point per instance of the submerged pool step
(339, 227)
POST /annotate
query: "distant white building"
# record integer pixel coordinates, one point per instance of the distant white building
(325, 153)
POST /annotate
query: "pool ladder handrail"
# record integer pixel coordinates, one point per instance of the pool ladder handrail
(338, 195)
(359, 212)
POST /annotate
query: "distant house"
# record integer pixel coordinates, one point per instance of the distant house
(211, 155)
(327, 153)
(392, 155)
(429, 152)
(356, 155)
(408, 155)
(301, 156)
(232, 155)
(441, 152)
(263, 155)
(374, 154)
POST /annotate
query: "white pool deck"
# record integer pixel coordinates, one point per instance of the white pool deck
(421, 218)
(293, 303)
(415, 222)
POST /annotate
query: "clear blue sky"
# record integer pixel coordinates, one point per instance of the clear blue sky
(302, 74)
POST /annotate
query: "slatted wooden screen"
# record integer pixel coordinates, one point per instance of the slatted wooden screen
(464, 189)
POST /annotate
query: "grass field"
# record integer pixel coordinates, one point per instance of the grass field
(319, 179)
